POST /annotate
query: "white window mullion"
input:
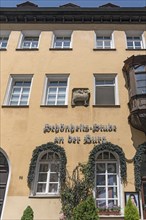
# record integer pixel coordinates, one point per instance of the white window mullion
(56, 98)
(20, 95)
(48, 179)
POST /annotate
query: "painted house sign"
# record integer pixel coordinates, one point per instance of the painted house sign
(71, 129)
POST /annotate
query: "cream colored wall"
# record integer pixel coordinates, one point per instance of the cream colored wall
(22, 128)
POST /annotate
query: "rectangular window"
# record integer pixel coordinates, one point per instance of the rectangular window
(104, 39)
(56, 90)
(29, 39)
(3, 42)
(62, 42)
(134, 43)
(4, 36)
(106, 90)
(30, 42)
(18, 91)
(62, 39)
(103, 42)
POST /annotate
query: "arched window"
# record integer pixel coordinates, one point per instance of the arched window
(47, 174)
(107, 180)
(4, 173)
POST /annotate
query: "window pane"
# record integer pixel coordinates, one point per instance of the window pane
(53, 187)
(99, 43)
(62, 90)
(101, 203)
(53, 83)
(16, 90)
(51, 97)
(3, 44)
(54, 177)
(112, 180)
(66, 44)
(52, 90)
(27, 83)
(140, 68)
(13, 102)
(129, 44)
(111, 167)
(112, 192)
(14, 97)
(34, 44)
(60, 102)
(18, 83)
(26, 44)
(141, 77)
(141, 83)
(112, 203)
(107, 44)
(23, 102)
(43, 168)
(100, 180)
(100, 192)
(112, 157)
(54, 167)
(105, 95)
(41, 187)
(42, 177)
(62, 83)
(105, 155)
(58, 44)
(100, 168)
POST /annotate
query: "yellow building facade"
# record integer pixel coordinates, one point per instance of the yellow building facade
(65, 81)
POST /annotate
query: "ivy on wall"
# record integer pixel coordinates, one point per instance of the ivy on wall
(45, 147)
(106, 147)
(137, 165)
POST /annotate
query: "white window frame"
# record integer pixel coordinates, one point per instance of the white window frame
(119, 184)
(104, 76)
(103, 34)
(34, 185)
(30, 34)
(62, 33)
(4, 34)
(134, 34)
(12, 79)
(55, 77)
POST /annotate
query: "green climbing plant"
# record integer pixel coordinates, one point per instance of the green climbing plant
(86, 210)
(27, 214)
(75, 190)
(131, 211)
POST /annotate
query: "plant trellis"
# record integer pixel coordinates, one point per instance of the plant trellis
(137, 165)
(111, 148)
(52, 148)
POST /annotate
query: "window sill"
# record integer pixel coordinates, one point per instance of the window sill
(3, 49)
(27, 49)
(44, 196)
(136, 49)
(60, 49)
(110, 49)
(54, 106)
(106, 106)
(15, 106)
